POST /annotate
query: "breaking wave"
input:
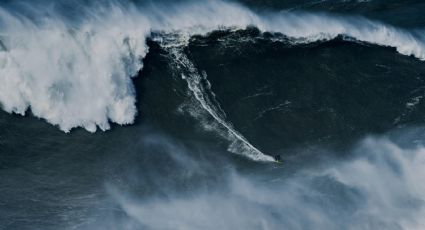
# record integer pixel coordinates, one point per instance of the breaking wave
(78, 73)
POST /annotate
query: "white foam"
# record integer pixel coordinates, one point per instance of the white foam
(72, 76)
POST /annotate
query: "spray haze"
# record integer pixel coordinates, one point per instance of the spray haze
(331, 194)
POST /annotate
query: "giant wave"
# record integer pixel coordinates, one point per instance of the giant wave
(77, 73)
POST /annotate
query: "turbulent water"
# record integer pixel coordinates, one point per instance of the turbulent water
(168, 114)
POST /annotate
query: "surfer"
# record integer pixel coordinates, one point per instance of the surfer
(278, 158)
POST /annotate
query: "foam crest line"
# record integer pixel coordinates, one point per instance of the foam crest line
(77, 73)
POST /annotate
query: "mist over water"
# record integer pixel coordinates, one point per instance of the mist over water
(194, 99)
(379, 186)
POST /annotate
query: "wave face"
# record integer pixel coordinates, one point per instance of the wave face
(77, 73)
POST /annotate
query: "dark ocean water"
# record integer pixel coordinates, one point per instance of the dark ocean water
(167, 115)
